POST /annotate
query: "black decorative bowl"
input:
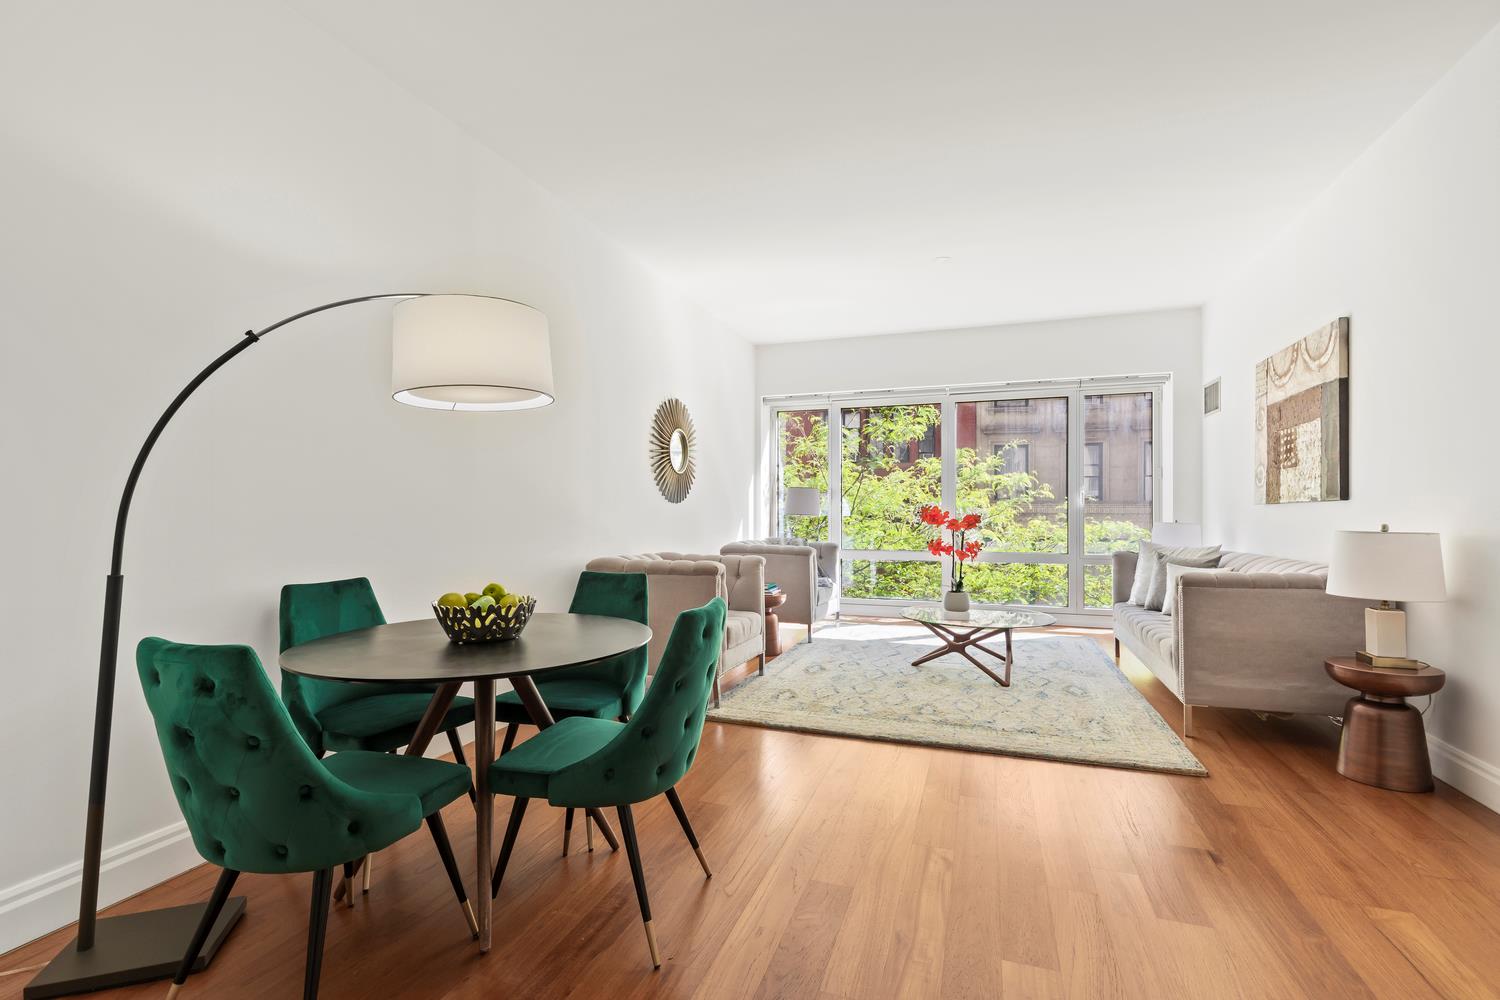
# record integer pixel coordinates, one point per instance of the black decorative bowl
(494, 624)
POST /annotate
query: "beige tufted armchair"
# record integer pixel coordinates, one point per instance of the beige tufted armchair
(676, 582)
(808, 573)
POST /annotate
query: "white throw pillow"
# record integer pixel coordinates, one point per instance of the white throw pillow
(1146, 564)
(1166, 558)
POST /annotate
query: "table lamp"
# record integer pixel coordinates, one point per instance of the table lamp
(802, 501)
(1177, 533)
(1387, 566)
(448, 352)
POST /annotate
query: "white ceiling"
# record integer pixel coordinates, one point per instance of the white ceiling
(798, 165)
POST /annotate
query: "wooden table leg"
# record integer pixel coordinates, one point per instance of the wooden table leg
(955, 643)
(427, 728)
(484, 826)
(541, 717)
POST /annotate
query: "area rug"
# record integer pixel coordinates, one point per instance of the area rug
(1067, 701)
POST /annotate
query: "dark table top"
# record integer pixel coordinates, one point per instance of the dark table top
(419, 651)
(1390, 682)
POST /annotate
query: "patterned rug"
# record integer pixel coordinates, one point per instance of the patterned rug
(1067, 701)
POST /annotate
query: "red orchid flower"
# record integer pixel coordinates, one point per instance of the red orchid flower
(938, 547)
(969, 522)
(933, 515)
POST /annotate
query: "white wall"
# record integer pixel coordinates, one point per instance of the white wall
(1406, 244)
(1132, 344)
(176, 172)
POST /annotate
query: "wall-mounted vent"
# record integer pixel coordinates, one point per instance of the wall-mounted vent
(1211, 397)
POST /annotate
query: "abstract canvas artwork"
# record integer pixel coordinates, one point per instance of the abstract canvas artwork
(1302, 419)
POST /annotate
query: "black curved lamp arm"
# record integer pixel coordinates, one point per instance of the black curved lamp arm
(114, 588)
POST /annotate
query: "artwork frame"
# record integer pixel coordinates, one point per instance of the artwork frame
(1302, 419)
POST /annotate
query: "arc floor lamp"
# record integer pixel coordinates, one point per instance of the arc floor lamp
(448, 352)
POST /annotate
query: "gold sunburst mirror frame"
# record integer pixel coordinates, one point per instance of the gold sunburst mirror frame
(672, 450)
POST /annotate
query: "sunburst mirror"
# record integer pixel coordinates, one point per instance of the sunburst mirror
(672, 448)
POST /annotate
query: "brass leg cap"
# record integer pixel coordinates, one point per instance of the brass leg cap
(349, 893)
(704, 862)
(173, 990)
(567, 836)
(651, 940)
(473, 923)
(369, 864)
(588, 831)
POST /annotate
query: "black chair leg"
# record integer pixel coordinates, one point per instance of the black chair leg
(317, 927)
(216, 902)
(508, 844)
(445, 851)
(633, 849)
(458, 757)
(510, 738)
(349, 870)
(687, 828)
(567, 830)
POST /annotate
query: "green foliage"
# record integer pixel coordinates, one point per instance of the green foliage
(883, 489)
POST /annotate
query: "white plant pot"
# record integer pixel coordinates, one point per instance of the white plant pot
(956, 601)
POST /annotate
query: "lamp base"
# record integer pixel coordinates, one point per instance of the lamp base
(1374, 660)
(133, 948)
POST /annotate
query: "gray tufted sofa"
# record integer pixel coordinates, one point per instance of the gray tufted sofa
(676, 583)
(1251, 634)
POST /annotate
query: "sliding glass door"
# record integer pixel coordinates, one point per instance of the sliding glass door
(1063, 474)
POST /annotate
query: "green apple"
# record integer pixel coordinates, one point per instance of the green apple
(452, 601)
(510, 600)
(494, 590)
(470, 598)
(484, 603)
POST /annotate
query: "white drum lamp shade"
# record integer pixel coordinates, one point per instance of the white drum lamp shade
(1177, 533)
(470, 352)
(1387, 566)
(802, 501)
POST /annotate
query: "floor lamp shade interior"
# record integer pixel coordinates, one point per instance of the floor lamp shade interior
(470, 352)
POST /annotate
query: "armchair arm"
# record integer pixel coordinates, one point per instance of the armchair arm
(745, 580)
(794, 567)
(1258, 640)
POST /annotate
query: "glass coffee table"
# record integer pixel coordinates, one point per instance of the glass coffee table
(961, 632)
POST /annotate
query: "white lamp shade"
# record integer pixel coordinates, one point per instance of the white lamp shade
(1174, 533)
(470, 352)
(802, 501)
(1387, 566)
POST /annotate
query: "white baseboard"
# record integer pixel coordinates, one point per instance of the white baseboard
(48, 901)
(1478, 779)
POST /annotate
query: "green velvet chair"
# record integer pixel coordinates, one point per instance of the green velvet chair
(256, 798)
(585, 763)
(347, 715)
(609, 689)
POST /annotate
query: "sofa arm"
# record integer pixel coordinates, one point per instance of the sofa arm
(1122, 575)
(1258, 641)
(794, 568)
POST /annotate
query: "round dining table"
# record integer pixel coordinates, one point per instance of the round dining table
(419, 652)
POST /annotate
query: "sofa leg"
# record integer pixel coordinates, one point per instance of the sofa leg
(1117, 650)
(1187, 720)
(716, 690)
(761, 670)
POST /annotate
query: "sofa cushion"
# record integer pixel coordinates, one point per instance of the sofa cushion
(741, 627)
(1162, 558)
(1149, 634)
(1146, 567)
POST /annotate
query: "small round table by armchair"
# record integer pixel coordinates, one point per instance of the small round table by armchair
(774, 600)
(1383, 743)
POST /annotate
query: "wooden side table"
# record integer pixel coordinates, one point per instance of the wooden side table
(773, 623)
(1383, 743)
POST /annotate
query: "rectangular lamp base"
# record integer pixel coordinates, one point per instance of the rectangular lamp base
(133, 948)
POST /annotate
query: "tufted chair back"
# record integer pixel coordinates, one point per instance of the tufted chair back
(254, 796)
(657, 746)
(310, 611)
(614, 595)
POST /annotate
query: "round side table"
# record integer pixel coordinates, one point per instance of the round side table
(1383, 743)
(773, 623)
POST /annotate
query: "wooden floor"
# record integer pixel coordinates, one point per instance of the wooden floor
(849, 869)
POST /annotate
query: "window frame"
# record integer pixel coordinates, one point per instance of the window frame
(1077, 560)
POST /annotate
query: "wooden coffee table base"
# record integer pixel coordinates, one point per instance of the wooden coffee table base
(954, 642)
